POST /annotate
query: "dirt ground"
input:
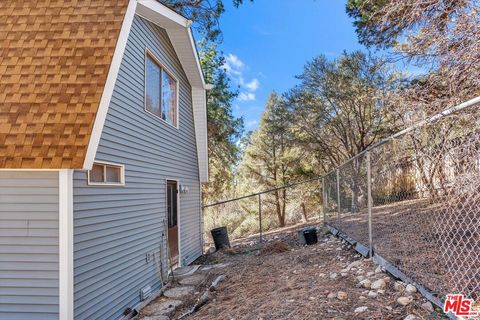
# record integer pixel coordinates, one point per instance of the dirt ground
(285, 280)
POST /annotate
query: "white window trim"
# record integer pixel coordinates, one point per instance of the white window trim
(150, 54)
(122, 175)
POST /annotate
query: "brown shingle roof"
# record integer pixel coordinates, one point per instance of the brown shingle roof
(54, 60)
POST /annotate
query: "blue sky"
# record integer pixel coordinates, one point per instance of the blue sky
(267, 42)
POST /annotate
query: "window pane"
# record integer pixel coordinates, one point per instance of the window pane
(172, 204)
(96, 174)
(169, 96)
(152, 85)
(113, 174)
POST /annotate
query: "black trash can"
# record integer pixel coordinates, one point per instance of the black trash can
(220, 238)
(310, 235)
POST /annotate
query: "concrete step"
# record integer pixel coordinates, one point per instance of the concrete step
(179, 292)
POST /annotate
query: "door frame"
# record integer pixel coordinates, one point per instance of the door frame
(177, 181)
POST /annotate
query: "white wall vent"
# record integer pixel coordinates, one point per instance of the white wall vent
(145, 293)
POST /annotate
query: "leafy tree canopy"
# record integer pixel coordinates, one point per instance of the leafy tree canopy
(441, 36)
(224, 130)
(341, 107)
(204, 13)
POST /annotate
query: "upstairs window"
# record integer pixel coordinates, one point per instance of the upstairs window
(161, 90)
(106, 174)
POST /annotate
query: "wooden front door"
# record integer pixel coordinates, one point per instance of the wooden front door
(172, 214)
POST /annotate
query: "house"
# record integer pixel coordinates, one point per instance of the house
(103, 149)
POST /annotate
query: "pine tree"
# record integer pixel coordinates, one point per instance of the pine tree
(271, 159)
(224, 130)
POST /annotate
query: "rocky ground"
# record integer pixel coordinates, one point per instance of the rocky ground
(284, 280)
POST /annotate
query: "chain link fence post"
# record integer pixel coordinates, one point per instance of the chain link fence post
(369, 203)
(338, 194)
(260, 217)
(323, 200)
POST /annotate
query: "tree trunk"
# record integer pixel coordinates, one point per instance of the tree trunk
(280, 216)
(304, 212)
(284, 205)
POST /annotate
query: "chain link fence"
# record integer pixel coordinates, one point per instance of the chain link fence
(346, 199)
(423, 186)
(413, 200)
(255, 215)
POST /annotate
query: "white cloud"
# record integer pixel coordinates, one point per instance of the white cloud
(233, 61)
(246, 96)
(253, 85)
(250, 124)
(235, 69)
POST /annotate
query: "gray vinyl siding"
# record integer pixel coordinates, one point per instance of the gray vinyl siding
(115, 227)
(28, 245)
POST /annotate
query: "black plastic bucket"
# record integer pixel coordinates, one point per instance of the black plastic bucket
(310, 235)
(220, 238)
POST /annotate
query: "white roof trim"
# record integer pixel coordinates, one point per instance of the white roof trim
(153, 7)
(109, 85)
(199, 100)
(180, 34)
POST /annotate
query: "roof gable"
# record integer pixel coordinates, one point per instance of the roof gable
(54, 59)
(59, 61)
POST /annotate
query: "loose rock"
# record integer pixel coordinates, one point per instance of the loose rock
(211, 250)
(378, 269)
(398, 286)
(410, 317)
(428, 306)
(379, 284)
(367, 284)
(410, 289)
(354, 264)
(341, 295)
(333, 276)
(404, 301)
(372, 294)
(361, 309)
(331, 295)
(165, 308)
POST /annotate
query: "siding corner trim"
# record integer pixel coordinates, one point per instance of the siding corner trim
(65, 218)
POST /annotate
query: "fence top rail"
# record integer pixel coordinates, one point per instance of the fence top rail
(262, 192)
(433, 118)
(416, 125)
